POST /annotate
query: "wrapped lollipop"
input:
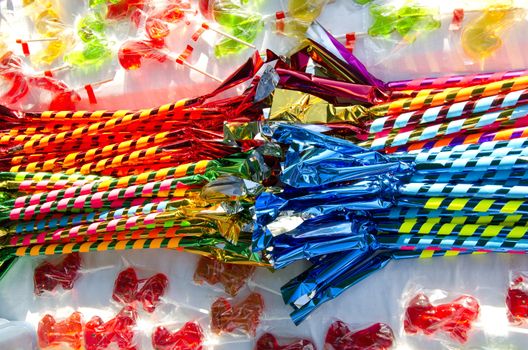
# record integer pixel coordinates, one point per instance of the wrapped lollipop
(239, 21)
(48, 24)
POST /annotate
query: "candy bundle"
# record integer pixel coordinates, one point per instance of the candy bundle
(91, 181)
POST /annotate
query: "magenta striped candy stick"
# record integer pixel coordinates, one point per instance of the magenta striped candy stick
(454, 80)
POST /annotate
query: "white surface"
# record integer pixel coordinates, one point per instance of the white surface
(376, 299)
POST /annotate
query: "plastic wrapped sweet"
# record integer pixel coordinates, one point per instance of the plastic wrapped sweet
(244, 316)
(517, 299)
(20, 86)
(268, 341)
(300, 15)
(157, 22)
(117, 9)
(455, 318)
(128, 289)
(132, 53)
(48, 276)
(189, 337)
(231, 276)
(482, 36)
(409, 20)
(237, 19)
(48, 24)
(378, 336)
(95, 47)
(118, 331)
(66, 333)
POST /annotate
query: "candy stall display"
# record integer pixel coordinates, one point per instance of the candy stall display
(269, 175)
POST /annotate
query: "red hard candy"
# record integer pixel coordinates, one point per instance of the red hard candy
(189, 337)
(517, 300)
(379, 336)
(128, 289)
(244, 316)
(47, 276)
(156, 28)
(268, 342)
(132, 53)
(64, 101)
(149, 295)
(99, 335)
(56, 334)
(125, 286)
(455, 318)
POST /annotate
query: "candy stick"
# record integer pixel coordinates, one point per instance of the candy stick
(455, 80)
(463, 243)
(198, 245)
(433, 227)
(450, 96)
(484, 146)
(181, 59)
(119, 120)
(136, 144)
(99, 200)
(56, 221)
(411, 213)
(49, 177)
(56, 164)
(103, 186)
(490, 120)
(430, 253)
(69, 205)
(48, 181)
(151, 233)
(488, 149)
(25, 46)
(183, 226)
(153, 155)
(164, 110)
(429, 224)
(463, 190)
(473, 138)
(227, 35)
(450, 111)
(501, 177)
(414, 212)
(488, 206)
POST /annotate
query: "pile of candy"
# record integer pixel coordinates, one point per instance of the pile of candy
(307, 157)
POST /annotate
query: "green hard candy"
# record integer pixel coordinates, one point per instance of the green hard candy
(238, 21)
(408, 21)
(246, 30)
(94, 54)
(90, 26)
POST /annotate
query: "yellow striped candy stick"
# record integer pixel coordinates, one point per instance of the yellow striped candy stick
(119, 119)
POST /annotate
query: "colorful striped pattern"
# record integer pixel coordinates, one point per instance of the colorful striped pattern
(454, 80)
(118, 119)
(448, 112)
(450, 95)
(400, 137)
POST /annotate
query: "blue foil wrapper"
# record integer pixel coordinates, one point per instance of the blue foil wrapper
(342, 208)
(321, 176)
(361, 267)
